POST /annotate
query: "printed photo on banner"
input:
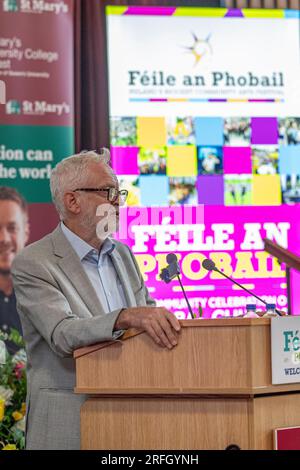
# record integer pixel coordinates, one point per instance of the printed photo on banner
(183, 191)
(238, 190)
(210, 160)
(14, 234)
(290, 187)
(123, 131)
(180, 131)
(265, 160)
(289, 131)
(131, 183)
(152, 161)
(237, 131)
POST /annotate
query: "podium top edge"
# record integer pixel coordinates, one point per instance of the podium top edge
(95, 347)
(230, 321)
(202, 322)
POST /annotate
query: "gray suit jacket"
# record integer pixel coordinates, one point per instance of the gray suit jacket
(60, 312)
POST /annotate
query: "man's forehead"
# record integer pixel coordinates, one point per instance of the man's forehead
(10, 211)
(6, 205)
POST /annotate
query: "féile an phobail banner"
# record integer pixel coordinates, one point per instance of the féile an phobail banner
(217, 57)
(36, 65)
(204, 108)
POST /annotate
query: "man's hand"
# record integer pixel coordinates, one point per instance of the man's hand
(161, 325)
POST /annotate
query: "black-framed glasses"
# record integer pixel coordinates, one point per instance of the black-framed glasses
(112, 194)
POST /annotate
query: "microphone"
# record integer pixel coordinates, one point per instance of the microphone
(172, 271)
(171, 258)
(209, 265)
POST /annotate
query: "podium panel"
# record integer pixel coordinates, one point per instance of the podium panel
(211, 391)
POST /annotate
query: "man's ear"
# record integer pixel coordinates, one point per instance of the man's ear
(72, 202)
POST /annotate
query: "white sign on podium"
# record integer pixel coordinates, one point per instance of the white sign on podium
(285, 349)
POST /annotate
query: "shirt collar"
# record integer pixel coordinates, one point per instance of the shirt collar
(107, 247)
(81, 247)
(4, 296)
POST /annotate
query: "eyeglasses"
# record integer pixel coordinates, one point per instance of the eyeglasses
(112, 194)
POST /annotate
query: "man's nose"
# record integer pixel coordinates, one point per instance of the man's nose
(4, 235)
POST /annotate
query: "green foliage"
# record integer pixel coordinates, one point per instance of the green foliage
(12, 393)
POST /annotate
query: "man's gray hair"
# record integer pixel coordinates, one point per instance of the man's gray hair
(71, 173)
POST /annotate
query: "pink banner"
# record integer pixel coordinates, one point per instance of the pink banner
(231, 236)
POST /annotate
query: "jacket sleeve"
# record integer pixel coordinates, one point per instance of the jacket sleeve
(41, 301)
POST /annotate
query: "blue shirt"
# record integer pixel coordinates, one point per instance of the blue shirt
(100, 270)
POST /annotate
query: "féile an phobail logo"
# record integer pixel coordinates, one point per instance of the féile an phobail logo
(10, 5)
(291, 343)
(200, 49)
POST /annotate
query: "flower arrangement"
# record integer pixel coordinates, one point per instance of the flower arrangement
(12, 393)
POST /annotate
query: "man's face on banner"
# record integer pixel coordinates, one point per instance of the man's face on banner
(13, 233)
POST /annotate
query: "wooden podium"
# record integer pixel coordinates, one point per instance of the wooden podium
(291, 261)
(211, 391)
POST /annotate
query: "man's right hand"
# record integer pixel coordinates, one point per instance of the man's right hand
(160, 324)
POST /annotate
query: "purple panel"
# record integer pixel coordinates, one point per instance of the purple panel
(157, 11)
(270, 100)
(210, 189)
(234, 13)
(264, 131)
(125, 160)
(237, 160)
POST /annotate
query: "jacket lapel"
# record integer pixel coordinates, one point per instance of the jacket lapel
(123, 276)
(70, 264)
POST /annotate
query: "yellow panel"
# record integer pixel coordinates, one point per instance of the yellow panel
(208, 12)
(262, 13)
(266, 190)
(178, 100)
(181, 160)
(115, 10)
(151, 132)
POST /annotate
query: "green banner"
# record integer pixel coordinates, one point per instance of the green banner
(27, 155)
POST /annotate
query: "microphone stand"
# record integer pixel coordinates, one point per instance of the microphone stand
(185, 296)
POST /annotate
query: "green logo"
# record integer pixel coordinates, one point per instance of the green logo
(13, 107)
(291, 341)
(10, 5)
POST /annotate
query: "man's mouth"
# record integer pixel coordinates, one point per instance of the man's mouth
(6, 251)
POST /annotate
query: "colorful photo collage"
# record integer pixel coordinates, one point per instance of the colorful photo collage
(207, 160)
